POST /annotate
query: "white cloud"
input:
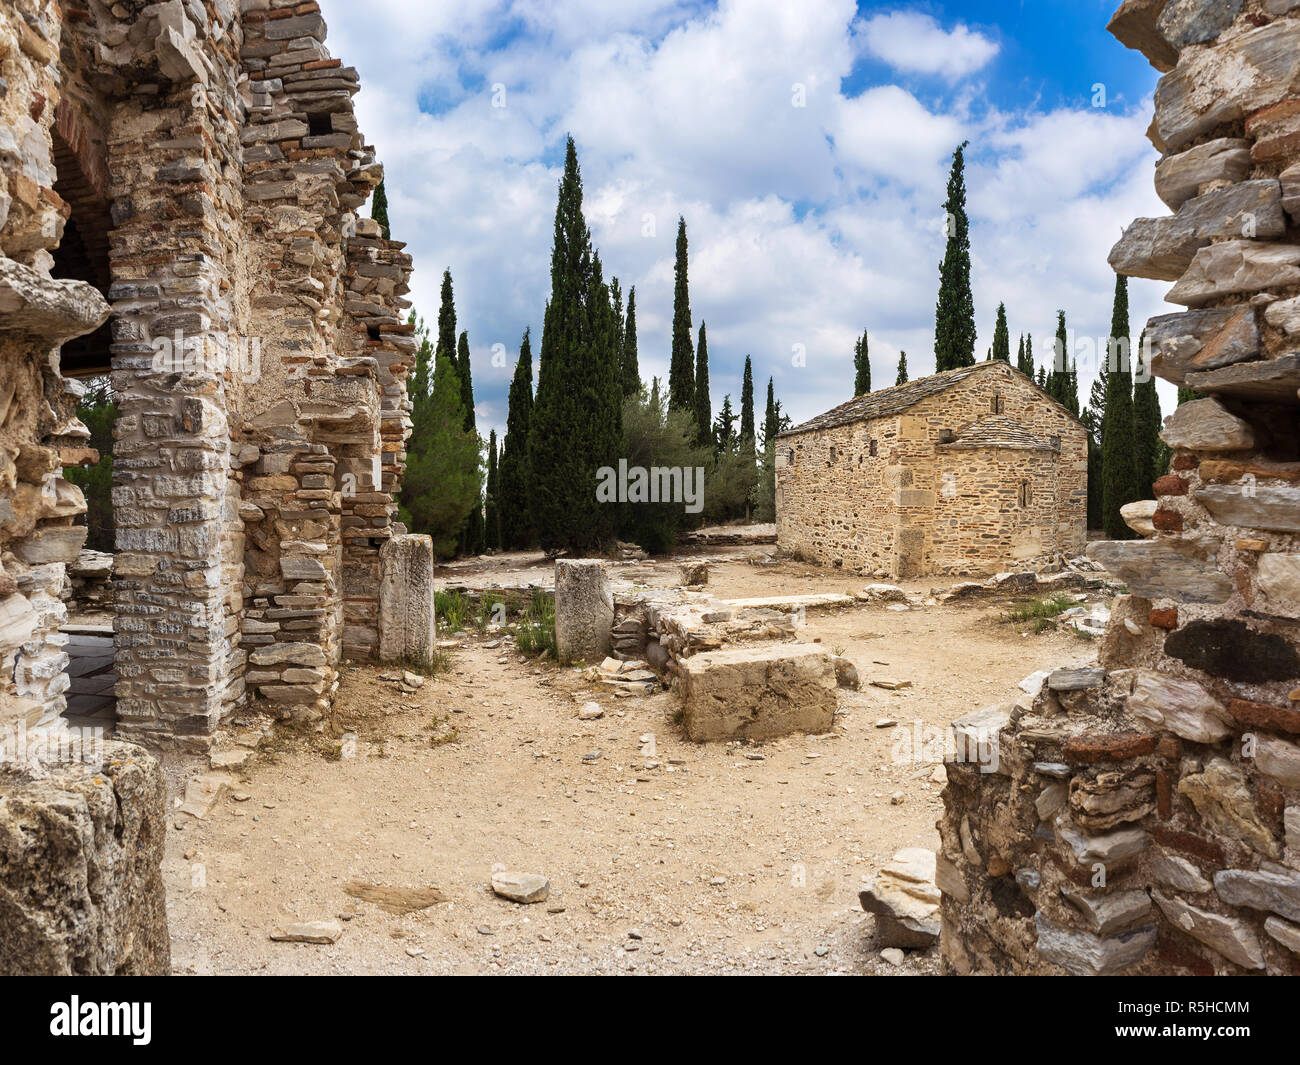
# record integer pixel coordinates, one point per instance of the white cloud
(916, 44)
(806, 224)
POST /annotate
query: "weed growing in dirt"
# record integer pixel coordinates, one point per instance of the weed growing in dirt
(452, 608)
(535, 631)
(443, 731)
(1039, 611)
(437, 662)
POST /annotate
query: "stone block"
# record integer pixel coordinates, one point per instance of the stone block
(1200, 340)
(1236, 266)
(1179, 177)
(1230, 936)
(407, 617)
(758, 692)
(1277, 578)
(584, 610)
(1253, 506)
(1181, 706)
(1136, 25)
(1205, 425)
(1165, 569)
(1163, 248)
(1085, 954)
(81, 889)
(1265, 381)
(905, 899)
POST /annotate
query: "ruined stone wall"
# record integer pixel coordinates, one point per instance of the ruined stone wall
(39, 433)
(1144, 815)
(920, 505)
(259, 348)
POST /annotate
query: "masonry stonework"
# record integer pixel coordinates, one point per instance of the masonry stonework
(1143, 816)
(197, 165)
(975, 470)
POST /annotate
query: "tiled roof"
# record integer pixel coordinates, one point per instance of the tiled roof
(999, 430)
(899, 398)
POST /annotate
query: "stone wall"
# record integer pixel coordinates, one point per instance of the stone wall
(204, 164)
(888, 496)
(1144, 815)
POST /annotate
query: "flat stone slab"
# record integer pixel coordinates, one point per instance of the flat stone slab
(758, 692)
(792, 604)
(1176, 569)
(319, 932)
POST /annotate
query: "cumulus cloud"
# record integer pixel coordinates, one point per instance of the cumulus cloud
(813, 212)
(915, 43)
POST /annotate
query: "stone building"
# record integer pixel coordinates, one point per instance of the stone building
(973, 470)
(1143, 815)
(180, 188)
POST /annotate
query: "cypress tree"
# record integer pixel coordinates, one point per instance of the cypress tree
(443, 462)
(491, 511)
(681, 381)
(512, 472)
(576, 423)
(1029, 357)
(902, 369)
(861, 367)
(954, 320)
(631, 371)
(703, 405)
(1042, 378)
(1020, 357)
(1186, 395)
(445, 347)
(616, 297)
(1001, 336)
(1093, 417)
(379, 208)
(747, 406)
(724, 429)
(472, 537)
(1151, 452)
(1118, 438)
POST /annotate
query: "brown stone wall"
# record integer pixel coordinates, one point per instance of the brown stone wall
(1144, 815)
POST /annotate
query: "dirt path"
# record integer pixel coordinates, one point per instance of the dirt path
(718, 861)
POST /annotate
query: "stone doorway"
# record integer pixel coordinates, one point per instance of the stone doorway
(92, 702)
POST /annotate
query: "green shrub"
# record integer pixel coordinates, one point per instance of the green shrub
(534, 633)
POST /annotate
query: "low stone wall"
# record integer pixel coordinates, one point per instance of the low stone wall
(1143, 816)
(81, 848)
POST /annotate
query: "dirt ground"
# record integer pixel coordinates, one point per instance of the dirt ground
(715, 858)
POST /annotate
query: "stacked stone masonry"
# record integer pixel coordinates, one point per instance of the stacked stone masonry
(1143, 816)
(974, 470)
(180, 185)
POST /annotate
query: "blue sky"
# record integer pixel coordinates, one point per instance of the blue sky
(807, 145)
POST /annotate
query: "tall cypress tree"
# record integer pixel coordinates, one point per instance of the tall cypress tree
(861, 367)
(902, 369)
(954, 318)
(512, 472)
(1151, 451)
(1020, 356)
(681, 369)
(703, 405)
(747, 406)
(472, 538)
(631, 371)
(576, 425)
(445, 346)
(1001, 336)
(1029, 355)
(491, 511)
(1118, 438)
(379, 209)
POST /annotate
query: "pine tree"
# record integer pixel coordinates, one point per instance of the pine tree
(1042, 378)
(902, 369)
(681, 369)
(1152, 454)
(747, 406)
(1001, 336)
(512, 472)
(1118, 436)
(472, 538)
(576, 423)
(631, 372)
(954, 320)
(703, 405)
(491, 511)
(1186, 395)
(861, 367)
(379, 209)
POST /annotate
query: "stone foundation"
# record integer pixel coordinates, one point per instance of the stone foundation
(1144, 816)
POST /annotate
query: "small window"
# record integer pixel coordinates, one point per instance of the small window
(832, 458)
(946, 436)
(319, 125)
(873, 449)
(1026, 494)
(997, 402)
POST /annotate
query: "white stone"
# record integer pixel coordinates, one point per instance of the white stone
(1181, 706)
(1278, 578)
